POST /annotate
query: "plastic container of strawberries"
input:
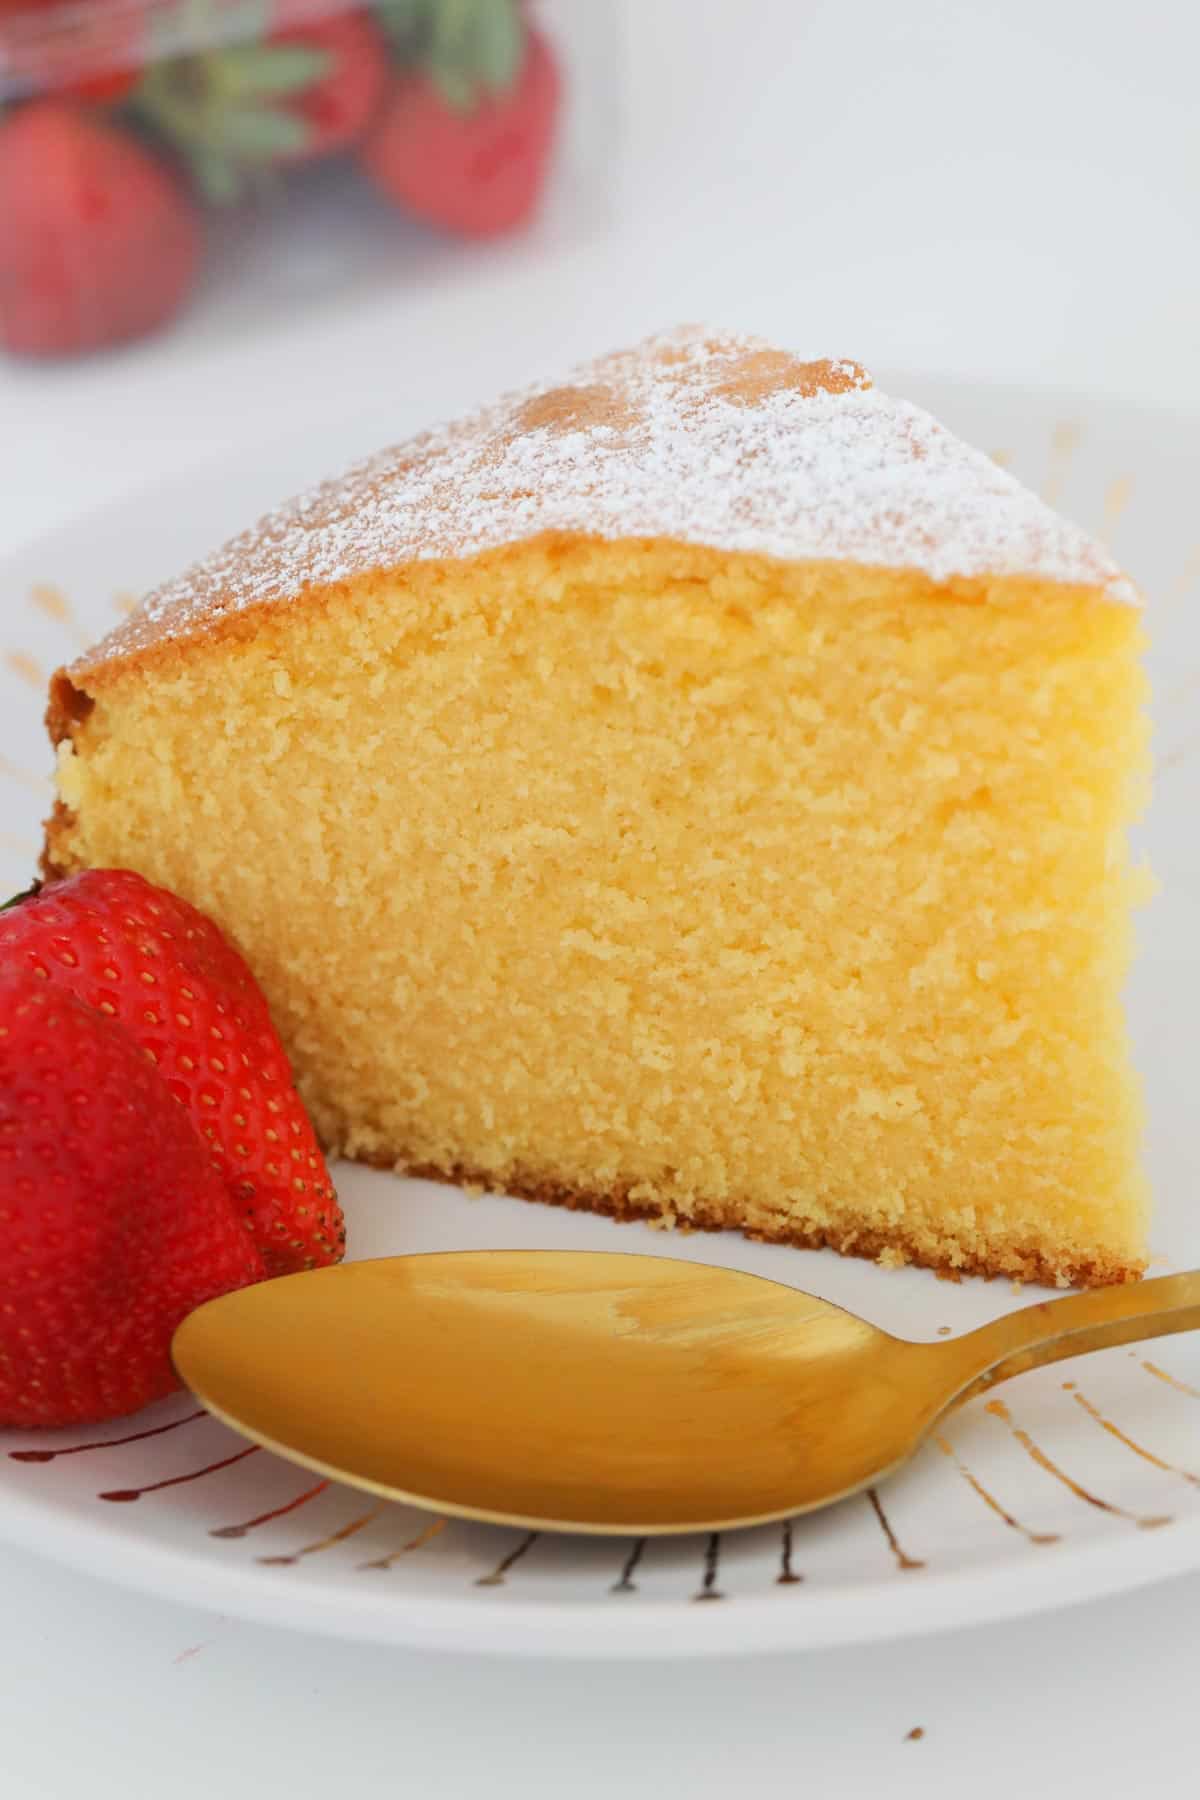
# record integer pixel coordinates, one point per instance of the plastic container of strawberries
(163, 157)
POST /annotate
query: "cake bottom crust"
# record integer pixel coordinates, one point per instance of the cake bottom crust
(948, 1259)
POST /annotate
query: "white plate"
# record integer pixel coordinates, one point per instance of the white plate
(964, 1533)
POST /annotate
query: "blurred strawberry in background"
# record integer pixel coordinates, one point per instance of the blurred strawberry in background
(470, 157)
(99, 241)
(336, 109)
(119, 119)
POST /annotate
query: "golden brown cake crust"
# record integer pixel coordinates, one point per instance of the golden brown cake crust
(1017, 1264)
(697, 435)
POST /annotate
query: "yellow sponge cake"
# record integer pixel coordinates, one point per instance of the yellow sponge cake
(697, 791)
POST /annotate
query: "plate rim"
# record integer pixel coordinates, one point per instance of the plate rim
(880, 1610)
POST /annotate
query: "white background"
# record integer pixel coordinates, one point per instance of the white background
(1002, 190)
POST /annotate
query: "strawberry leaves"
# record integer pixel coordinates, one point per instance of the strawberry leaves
(218, 110)
(468, 48)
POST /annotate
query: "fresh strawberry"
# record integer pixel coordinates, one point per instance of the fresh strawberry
(113, 1223)
(98, 241)
(476, 172)
(164, 972)
(337, 109)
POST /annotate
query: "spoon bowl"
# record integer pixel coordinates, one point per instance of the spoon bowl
(607, 1393)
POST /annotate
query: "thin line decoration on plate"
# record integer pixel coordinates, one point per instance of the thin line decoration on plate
(1144, 1521)
(264, 1518)
(709, 1578)
(625, 1584)
(989, 1499)
(1065, 440)
(45, 597)
(903, 1559)
(1117, 496)
(27, 667)
(124, 1495)
(1122, 1437)
(135, 1437)
(787, 1576)
(285, 1559)
(41, 784)
(499, 1575)
(1187, 580)
(1181, 1387)
(432, 1530)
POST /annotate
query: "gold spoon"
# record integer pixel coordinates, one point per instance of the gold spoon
(597, 1392)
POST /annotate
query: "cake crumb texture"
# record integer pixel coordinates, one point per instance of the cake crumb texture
(678, 882)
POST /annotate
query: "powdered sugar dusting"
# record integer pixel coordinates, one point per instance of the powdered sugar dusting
(699, 436)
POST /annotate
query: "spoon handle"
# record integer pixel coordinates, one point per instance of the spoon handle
(1055, 1329)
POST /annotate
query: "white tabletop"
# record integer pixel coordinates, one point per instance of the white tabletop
(1008, 191)
(112, 1696)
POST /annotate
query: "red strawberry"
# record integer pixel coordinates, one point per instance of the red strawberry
(337, 109)
(113, 1223)
(478, 172)
(98, 241)
(184, 994)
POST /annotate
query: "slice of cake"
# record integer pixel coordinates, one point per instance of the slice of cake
(696, 792)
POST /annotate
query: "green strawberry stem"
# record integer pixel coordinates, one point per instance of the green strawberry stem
(466, 47)
(16, 899)
(215, 110)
